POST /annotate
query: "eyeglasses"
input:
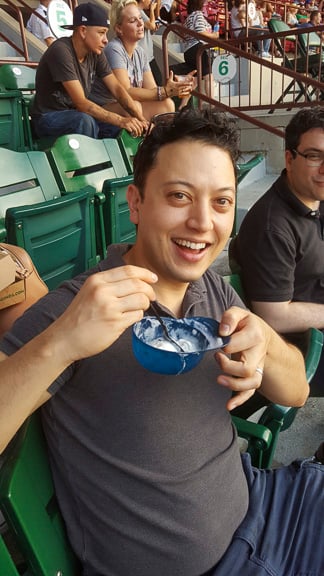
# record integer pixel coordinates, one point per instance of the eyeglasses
(313, 159)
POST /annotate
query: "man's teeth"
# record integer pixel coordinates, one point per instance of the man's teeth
(192, 245)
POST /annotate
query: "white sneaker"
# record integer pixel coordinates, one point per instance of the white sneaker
(265, 55)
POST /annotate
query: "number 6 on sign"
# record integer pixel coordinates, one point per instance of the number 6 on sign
(224, 68)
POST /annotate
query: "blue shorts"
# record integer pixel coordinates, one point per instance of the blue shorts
(283, 531)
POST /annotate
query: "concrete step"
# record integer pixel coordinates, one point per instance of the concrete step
(249, 192)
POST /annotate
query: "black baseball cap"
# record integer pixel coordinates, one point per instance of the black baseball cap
(88, 14)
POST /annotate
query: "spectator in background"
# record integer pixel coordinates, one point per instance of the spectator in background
(64, 77)
(238, 26)
(168, 11)
(39, 28)
(149, 28)
(131, 68)
(279, 247)
(197, 22)
(291, 15)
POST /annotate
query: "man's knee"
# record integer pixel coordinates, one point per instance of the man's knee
(88, 126)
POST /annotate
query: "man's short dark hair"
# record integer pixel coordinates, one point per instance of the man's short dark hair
(306, 119)
(212, 128)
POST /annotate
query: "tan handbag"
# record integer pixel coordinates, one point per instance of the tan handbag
(31, 286)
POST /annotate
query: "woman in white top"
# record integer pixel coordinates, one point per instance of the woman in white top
(130, 64)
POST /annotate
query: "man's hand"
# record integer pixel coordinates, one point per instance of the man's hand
(254, 347)
(107, 304)
(134, 126)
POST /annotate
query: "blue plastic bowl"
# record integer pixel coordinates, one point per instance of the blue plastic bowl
(196, 334)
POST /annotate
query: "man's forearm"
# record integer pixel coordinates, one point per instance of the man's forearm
(25, 378)
(100, 113)
(126, 101)
(286, 317)
(284, 381)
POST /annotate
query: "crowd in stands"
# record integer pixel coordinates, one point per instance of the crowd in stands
(109, 86)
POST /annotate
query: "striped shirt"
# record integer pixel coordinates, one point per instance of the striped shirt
(197, 22)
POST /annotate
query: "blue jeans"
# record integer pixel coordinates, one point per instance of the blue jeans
(283, 531)
(61, 122)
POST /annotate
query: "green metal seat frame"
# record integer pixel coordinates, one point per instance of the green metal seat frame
(38, 545)
(274, 418)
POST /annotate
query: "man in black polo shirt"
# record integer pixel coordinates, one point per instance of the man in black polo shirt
(280, 245)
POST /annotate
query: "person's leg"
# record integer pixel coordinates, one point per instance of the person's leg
(61, 122)
(283, 525)
(152, 108)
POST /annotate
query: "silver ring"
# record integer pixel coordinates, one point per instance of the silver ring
(259, 370)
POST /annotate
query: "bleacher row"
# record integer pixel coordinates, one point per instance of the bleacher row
(65, 203)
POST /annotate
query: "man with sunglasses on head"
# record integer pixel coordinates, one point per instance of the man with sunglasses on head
(64, 78)
(280, 244)
(146, 466)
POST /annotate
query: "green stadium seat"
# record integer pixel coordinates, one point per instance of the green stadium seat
(12, 130)
(25, 178)
(27, 499)
(128, 146)
(78, 161)
(19, 77)
(118, 227)
(59, 235)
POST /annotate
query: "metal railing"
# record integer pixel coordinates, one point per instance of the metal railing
(286, 81)
(17, 8)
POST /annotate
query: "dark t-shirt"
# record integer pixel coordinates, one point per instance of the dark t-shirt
(280, 248)
(146, 466)
(60, 64)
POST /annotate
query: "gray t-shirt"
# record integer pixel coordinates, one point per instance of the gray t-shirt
(146, 466)
(60, 64)
(117, 57)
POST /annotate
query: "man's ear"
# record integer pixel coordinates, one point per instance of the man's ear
(133, 199)
(289, 157)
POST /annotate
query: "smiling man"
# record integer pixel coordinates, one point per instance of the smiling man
(281, 240)
(64, 78)
(147, 468)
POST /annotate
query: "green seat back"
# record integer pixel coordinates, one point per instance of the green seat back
(25, 178)
(79, 161)
(59, 235)
(27, 500)
(118, 227)
(128, 146)
(275, 418)
(17, 77)
(12, 131)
